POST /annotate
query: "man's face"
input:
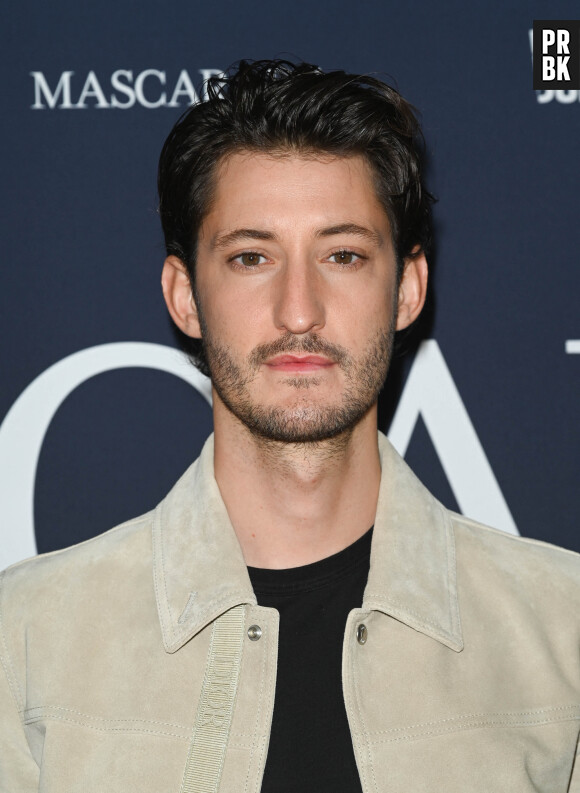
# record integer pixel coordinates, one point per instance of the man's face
(296, 292)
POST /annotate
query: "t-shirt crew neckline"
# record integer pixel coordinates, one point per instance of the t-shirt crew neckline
(292, 580)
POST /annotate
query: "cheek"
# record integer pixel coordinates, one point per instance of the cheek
(386, 304)
(233, 319)
(364, 316)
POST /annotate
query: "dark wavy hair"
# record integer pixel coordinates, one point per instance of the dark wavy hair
(275, 105)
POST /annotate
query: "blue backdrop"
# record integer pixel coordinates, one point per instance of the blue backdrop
(488, 416)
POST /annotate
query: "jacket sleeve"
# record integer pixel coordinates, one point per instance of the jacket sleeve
(18, 770)
(574, 786)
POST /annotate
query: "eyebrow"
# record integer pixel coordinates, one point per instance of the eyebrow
(225, 240)
(352, 228)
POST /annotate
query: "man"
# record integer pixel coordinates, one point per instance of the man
(299, 614)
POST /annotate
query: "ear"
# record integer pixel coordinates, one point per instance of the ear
(179, 297)
(412, 290)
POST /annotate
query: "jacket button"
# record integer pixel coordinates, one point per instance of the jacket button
(254, 633)
(361, 633)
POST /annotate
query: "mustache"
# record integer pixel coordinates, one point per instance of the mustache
(290, 343)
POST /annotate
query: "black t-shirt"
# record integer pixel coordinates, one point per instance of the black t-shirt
(310, 744)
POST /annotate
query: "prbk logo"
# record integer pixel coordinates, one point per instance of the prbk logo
(556, 54)
(555, 50)
(122, 90)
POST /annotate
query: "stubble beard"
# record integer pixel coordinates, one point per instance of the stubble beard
(305, 421)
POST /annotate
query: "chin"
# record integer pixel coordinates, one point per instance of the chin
(310, 425)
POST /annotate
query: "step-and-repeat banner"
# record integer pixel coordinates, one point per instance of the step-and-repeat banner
(100, 413)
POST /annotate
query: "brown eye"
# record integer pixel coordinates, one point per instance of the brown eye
(250, 259)
(344, 257)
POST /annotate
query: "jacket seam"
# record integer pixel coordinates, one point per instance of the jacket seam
(475, 726)
(268, 671)
(258, 711)
(156, 530)
(363, 733)
(482, 715)
(454, 618)
(126, 729)
(30, 717)
(242, 735)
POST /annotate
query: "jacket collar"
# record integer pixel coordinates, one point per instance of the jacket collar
(198, 566)
(413, 572)
(199, 570)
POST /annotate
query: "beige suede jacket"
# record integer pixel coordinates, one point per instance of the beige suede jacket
(139, 660)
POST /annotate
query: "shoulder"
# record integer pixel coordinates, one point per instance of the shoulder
(106, 545)
(489, 541)
(515, 566)
(101, 564)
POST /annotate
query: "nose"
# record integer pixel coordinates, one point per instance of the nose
(298, 303)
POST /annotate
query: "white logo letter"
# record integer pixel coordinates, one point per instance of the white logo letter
(431, 393)
(26, 423)
(548, 67)
(41, 88)
(139, 88)
(545, 96)
(563, 73)
(122, 88)
(566, 96)
(183, 87)
(205, 75)
(92, 88)
(548, 39)
(563, 41)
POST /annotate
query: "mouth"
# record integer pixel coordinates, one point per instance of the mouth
(299, 363)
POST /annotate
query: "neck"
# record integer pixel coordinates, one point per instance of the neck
(293, 504)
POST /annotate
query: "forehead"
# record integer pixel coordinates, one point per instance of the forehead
(288, 190)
